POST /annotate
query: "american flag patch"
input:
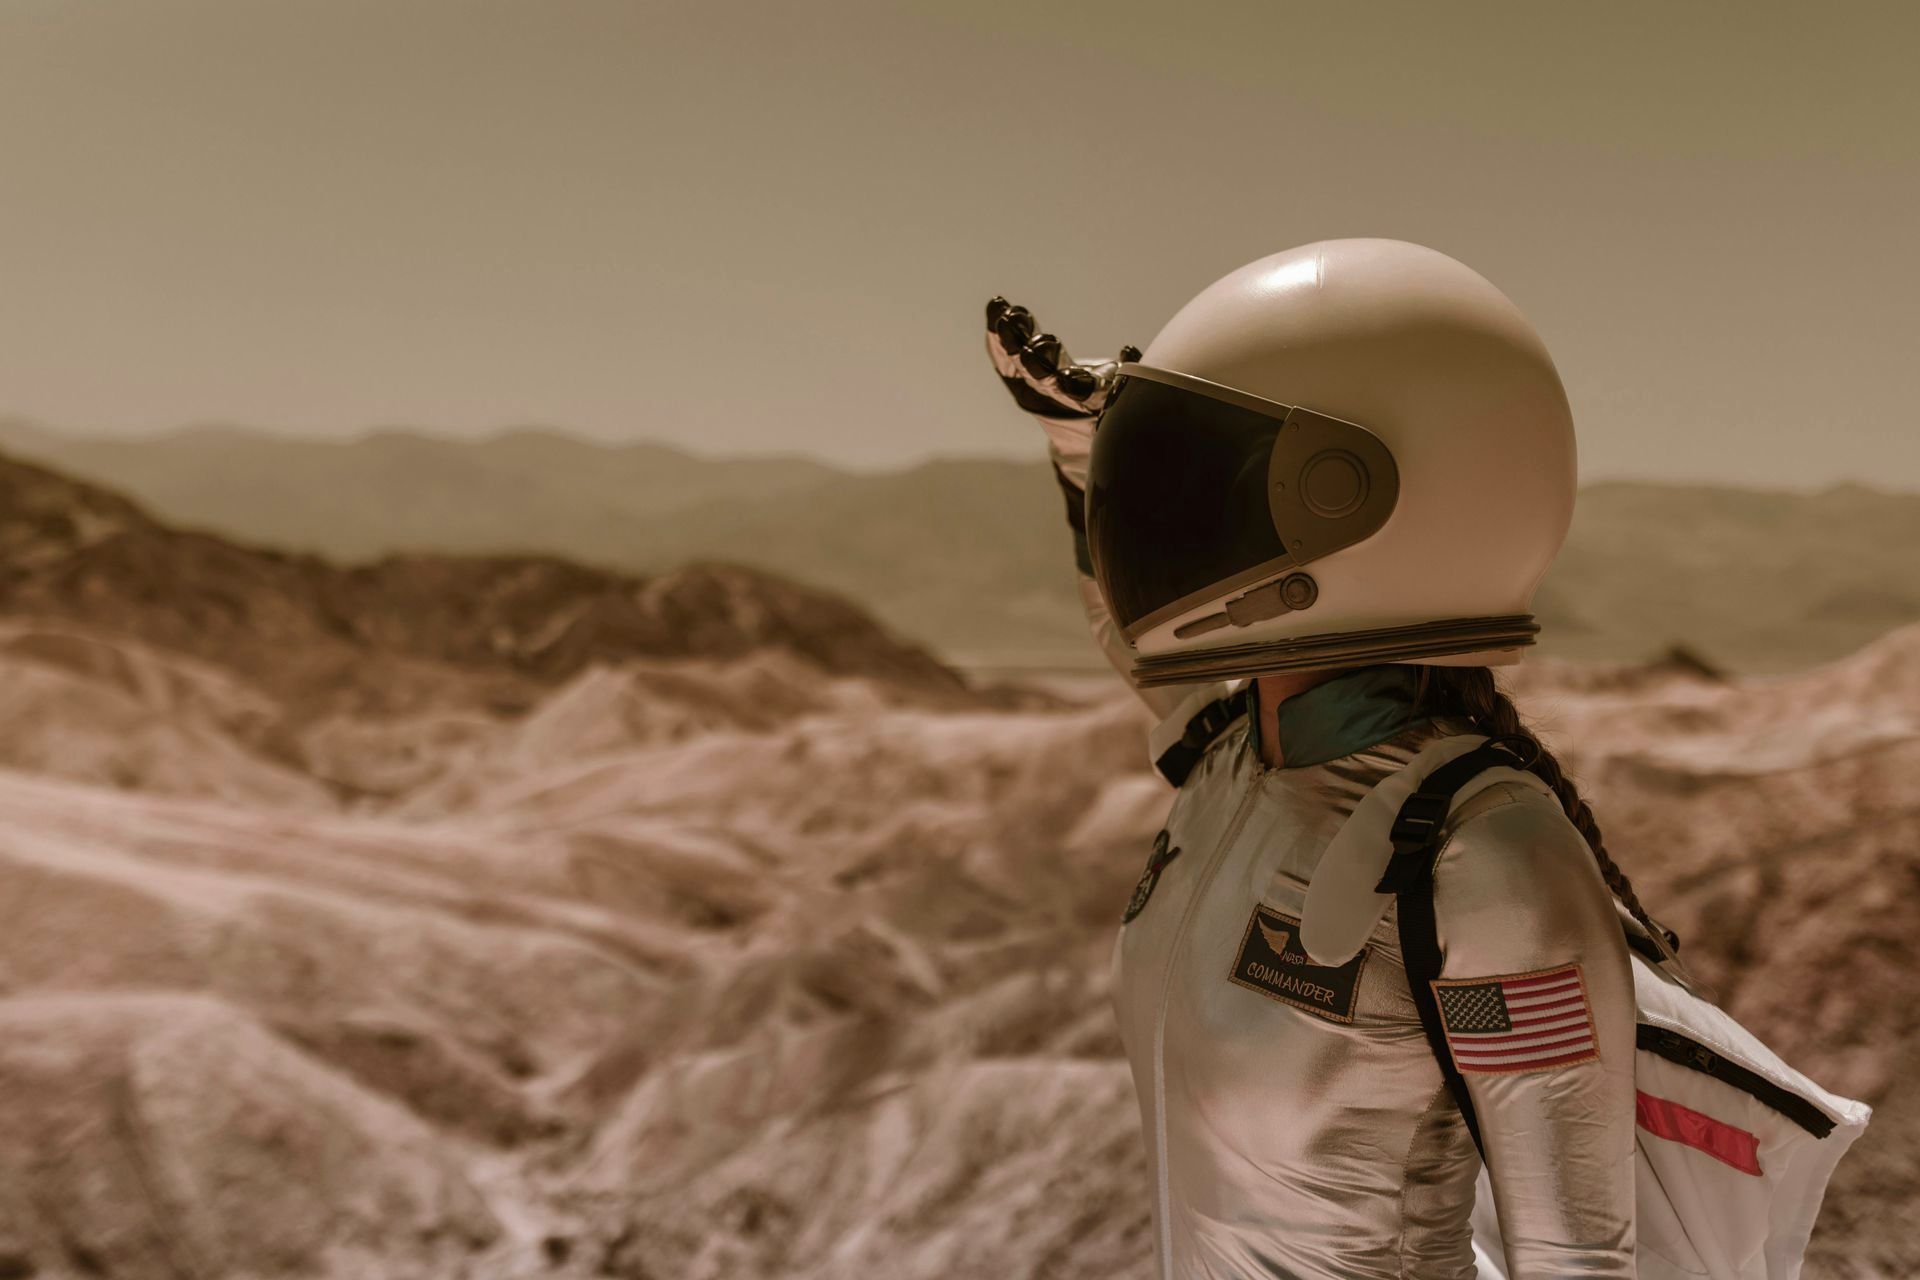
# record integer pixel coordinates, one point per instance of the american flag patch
(1517, 1022)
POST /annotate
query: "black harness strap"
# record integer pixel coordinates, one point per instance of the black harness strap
(1178, 760)
(1409, 878)
(1690, 1053)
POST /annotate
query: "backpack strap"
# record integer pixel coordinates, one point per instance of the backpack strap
(1416, 839)
(1206, 724)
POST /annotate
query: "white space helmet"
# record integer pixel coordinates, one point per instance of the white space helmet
(1355, 451)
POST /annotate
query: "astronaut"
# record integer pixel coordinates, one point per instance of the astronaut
(1311, 521)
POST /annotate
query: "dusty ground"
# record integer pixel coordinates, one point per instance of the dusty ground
(599, 959)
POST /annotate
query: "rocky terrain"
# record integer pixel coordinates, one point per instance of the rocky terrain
(503, 918)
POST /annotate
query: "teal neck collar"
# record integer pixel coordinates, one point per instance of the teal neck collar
(1351, 712)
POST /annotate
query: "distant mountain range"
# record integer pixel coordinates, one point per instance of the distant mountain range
(971, 556)
(494, 632)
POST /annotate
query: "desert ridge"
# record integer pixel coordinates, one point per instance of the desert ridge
(971, 556)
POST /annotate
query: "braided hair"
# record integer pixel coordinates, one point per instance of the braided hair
(1472, 694)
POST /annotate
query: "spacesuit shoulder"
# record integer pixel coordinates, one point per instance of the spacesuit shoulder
(1515, 879)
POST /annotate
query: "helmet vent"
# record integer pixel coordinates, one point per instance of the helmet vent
(1333, 483)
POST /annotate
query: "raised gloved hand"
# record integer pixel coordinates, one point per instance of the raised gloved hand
(1064, 395)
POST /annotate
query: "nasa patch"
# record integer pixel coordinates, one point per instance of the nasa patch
(1163, 853)
(1272, 962)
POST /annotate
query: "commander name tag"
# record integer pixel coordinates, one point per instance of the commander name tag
(1272, 962)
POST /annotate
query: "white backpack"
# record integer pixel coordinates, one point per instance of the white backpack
(1733, 1147)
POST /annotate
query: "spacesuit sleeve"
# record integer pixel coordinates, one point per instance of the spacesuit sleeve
(1536, 999)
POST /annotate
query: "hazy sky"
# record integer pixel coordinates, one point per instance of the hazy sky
(772, 226)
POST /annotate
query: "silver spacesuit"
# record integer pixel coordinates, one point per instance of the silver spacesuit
(1296, 1121)
(1296, 1118)
(1353, 458)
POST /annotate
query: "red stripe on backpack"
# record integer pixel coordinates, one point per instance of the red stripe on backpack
(1724, 1142)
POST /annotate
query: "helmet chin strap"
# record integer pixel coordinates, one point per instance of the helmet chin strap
(1417, 643)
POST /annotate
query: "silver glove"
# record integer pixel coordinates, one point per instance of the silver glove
(1063, 394)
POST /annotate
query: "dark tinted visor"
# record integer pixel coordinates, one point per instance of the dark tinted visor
(1177, 497)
